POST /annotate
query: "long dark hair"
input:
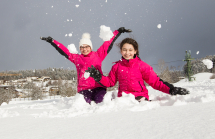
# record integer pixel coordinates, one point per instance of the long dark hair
(129, 41)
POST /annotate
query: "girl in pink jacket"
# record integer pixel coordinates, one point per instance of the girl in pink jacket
(131, 72)
(91, 90)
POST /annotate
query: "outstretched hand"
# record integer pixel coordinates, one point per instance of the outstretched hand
(48, 39)
(179, 91)
(122, 30)
(94, 73)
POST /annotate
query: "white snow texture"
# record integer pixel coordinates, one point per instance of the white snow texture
(208, 63)
(159, 26)
(105, 33)
(166, 117)
(72, 49)
(86, 75)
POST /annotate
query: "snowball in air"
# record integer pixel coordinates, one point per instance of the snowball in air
(159, 26)
(105, 33)
(70, 34)
(72, 49)
(86, 75)
(197, 52)
(208, 63)
(77, 6)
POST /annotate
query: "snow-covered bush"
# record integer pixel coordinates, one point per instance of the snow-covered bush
(5, 95)
(66, 89)
(170, 75)
(197, 66)
(37, 93)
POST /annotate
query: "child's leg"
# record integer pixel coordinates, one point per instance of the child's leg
(87, 95)
(98, 94)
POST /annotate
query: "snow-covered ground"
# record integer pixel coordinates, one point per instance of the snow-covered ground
(190, 116)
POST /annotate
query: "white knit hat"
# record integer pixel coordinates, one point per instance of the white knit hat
(86, 40)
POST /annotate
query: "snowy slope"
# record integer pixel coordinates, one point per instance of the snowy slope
(190, 116)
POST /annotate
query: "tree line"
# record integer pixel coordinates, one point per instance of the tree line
(53, 73)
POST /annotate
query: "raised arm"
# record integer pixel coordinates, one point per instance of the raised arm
(105, 48)
(60, 48)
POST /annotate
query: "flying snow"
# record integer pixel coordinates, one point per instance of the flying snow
(208, 63)
(72, 49)
(105, 33)
(70, 34)
(197, 52)
(159, 26)
(86, 75)
(77, 6)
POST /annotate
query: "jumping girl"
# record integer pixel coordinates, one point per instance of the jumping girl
(91, 90)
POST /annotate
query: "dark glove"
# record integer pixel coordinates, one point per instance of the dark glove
(178, 91)
(48, 39)
(94, 73)
(122, 30)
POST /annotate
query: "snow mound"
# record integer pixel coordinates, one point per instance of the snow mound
(201, 91)
(72, 49)
(76, 106)
(105, 33)
(6, 113)
(198, 77)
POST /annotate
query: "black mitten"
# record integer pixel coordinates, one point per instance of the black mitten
(122, 30)
(48, 39)
(94, 73)
(178, 91)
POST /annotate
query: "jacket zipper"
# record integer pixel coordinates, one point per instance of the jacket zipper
(140, 85)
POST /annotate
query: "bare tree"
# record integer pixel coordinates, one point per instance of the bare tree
(66, 89)
(164, 71)
(5, 95)
(36, 93)
(28, 87)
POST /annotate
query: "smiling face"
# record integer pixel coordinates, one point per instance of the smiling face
(128, 51)
(85, 49)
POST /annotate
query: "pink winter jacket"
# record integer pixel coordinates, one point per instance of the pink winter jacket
(82, 62)
(131, 76)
